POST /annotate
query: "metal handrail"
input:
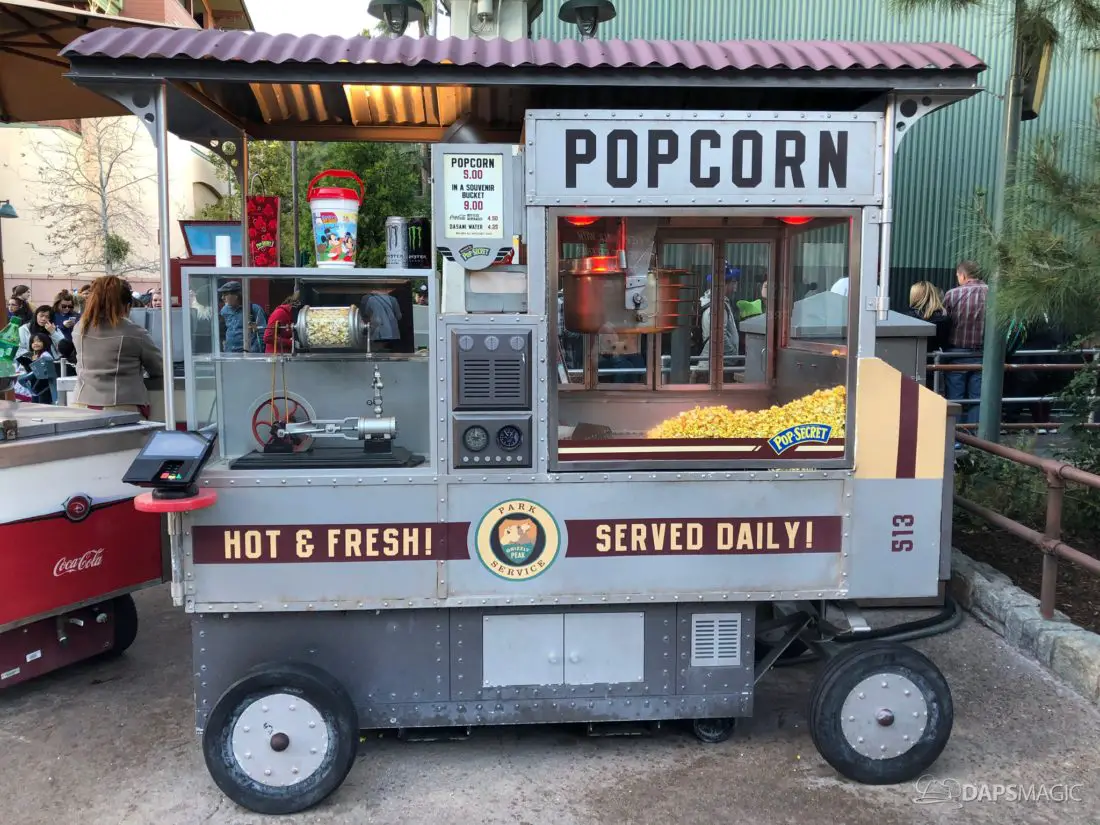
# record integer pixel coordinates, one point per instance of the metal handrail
(939, 370)
(1049, 542)
(949, 354)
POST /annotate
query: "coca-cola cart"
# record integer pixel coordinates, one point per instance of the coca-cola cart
(72, 546)
(484, 533)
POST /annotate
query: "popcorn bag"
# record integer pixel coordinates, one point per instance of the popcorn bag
(263, 230)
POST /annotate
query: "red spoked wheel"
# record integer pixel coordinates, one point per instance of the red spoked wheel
(272, 412)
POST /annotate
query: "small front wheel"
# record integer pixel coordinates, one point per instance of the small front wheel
(713, 731)
(124, 621)
(282, 738)
(881, 713)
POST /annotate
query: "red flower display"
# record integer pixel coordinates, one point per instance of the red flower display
(263, 230)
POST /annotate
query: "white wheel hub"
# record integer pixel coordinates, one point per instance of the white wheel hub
(280, 740)
(884, 716)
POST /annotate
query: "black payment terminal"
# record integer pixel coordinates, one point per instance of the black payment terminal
(170, 462)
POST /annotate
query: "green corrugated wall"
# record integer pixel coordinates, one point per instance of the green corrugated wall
(948, 155)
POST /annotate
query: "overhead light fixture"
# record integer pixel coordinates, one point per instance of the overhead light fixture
(581, 220)
(396, 14)
(793, 220)
(586, 14)
(7, 210)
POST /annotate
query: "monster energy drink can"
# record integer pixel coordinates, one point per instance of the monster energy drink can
(420, 243)
(397, 243)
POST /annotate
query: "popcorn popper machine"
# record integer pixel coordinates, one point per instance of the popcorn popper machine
(575, 504)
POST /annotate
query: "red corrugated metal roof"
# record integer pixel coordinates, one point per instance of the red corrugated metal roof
(735, 55)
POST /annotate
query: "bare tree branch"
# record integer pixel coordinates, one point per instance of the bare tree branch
(91, 193)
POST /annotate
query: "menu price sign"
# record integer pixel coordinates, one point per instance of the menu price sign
(473, 196)
(476, 203)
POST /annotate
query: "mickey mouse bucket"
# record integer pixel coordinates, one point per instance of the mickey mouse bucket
(335, 219)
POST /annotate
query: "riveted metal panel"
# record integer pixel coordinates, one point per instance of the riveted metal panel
(396, 684)
(576, 574)
(330, 583)
(521, 649)
(896, 533)
(492, 370)
(715, 679)
(604, 648)
(678, 158)
(467, 644)
(381, 658)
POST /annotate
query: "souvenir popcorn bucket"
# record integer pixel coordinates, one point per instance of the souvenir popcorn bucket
(335, 211)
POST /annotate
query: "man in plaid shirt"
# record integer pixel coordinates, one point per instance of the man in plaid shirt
(965, 304)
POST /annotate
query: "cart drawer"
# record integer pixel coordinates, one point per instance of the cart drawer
(556, 648)
(604, 648)
(522, 649)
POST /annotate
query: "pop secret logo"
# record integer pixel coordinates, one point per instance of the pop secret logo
(92, 558)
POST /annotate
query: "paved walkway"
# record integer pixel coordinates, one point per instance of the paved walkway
(114, 743)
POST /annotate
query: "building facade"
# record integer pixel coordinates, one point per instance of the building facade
(950, 155)
(34, 251)
(35, 255)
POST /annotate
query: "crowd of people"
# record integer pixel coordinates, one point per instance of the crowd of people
(959, 318)
(91, 326)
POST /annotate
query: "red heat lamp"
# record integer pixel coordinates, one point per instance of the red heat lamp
(581, 220)
(601, 264)
(794, 221)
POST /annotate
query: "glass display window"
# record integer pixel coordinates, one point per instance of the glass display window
(700, 338)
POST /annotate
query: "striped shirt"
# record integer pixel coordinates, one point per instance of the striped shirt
(966, 306)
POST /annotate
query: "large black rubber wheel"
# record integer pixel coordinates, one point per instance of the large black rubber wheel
(880, 713)
(282, 738)
(125, 619)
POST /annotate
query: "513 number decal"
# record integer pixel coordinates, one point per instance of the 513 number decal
(903, 526)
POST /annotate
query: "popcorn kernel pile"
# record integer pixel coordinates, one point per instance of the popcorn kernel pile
(820, 407)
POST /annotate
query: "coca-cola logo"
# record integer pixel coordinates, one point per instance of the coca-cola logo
(93, 558)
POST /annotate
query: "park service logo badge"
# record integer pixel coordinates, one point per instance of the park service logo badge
(517, 540)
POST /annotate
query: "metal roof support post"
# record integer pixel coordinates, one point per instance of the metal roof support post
(294, 199)
(242, 153)
(889, 146)
(159, 130)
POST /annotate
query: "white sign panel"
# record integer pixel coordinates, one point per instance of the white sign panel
(473, 196)
(706, 158)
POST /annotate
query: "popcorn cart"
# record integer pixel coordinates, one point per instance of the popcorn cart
(576, 504)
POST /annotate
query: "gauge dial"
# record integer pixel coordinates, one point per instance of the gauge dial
(475, 438)
(491, 343)
(465, 343)
(509, 438)
(516, 342)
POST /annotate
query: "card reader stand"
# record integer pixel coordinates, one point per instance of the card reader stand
(200, 500)
(169, 464)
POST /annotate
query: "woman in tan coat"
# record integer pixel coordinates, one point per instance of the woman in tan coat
(113, 354)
